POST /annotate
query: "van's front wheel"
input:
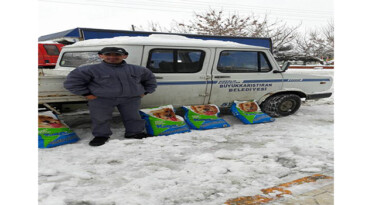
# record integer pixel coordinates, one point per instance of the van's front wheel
(281, 105)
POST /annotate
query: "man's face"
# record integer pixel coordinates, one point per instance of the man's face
(114, 58)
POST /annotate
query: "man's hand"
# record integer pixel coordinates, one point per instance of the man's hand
(142, 95)
(91, 97)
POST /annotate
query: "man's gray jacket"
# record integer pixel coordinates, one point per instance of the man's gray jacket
(111, 80)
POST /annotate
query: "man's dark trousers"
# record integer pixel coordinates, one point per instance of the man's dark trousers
(101, 110)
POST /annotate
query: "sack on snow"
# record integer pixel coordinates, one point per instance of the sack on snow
(249, 112)
(52, 132)
(163, 121)
(203, 117)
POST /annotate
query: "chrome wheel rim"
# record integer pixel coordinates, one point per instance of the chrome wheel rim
(287, 105)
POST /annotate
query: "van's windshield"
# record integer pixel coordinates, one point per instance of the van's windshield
(76, 59)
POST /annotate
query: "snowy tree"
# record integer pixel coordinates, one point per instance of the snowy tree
(317, 43)
(216, 23)
(155, 27)
(288, 43)
(213, 23)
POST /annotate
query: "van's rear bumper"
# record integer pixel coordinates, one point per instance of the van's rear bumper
(318, 96)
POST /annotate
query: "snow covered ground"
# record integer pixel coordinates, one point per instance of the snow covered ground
(200, 167)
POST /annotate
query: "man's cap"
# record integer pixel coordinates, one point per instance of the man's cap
(113, 50)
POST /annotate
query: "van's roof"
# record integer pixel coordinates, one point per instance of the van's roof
(161, 40)
(47, 42)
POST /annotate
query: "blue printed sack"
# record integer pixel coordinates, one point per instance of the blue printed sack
(163, 121)
(249, 112)
(52, 132)
(203, 117)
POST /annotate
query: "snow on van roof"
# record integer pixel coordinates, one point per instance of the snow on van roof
(159, 39)
(48, 42)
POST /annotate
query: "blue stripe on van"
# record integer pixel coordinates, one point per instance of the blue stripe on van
(327, 79)
(245, 81)
(183, 83)
(284, 80)
(263, 81)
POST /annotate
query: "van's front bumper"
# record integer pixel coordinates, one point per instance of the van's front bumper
(318, 96)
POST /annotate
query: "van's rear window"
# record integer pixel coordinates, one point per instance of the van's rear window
(75, 59)
(175, 60)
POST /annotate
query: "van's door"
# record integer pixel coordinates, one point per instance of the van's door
(181, 72)
(240, 74)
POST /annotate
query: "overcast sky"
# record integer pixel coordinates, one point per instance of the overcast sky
(60, 15)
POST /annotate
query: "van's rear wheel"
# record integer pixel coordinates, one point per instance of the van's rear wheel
(281, 105)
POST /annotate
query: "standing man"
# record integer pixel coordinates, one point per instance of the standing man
(109, 84)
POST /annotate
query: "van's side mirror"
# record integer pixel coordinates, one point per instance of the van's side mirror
(284, 67)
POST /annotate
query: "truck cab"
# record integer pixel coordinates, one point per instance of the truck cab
(48, 54)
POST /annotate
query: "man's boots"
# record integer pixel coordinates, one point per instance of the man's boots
(97, 141)
(137, 136)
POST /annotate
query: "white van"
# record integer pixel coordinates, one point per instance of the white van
(193, 71)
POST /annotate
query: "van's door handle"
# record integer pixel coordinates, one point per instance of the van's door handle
(222, 76)
(158, 77)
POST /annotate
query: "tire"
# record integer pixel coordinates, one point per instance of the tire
(281, 105)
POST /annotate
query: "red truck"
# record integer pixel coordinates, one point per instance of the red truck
(48, 54)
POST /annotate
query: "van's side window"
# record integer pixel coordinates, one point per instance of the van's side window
(264, 63)
(175, 60)
(75, 59)
(243, 62)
